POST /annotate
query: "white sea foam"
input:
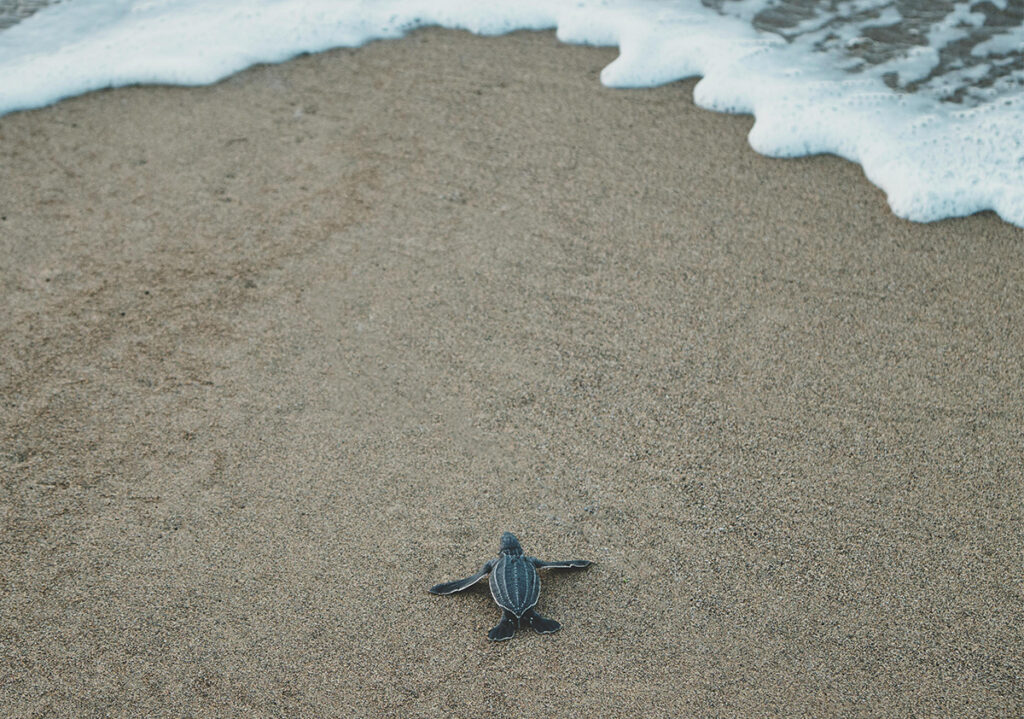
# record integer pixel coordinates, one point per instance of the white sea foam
(810, 88)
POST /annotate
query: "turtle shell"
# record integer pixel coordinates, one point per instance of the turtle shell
(515, 584)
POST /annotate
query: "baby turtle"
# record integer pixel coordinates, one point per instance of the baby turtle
(515, 586)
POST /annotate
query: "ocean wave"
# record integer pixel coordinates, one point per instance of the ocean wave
(925, 96)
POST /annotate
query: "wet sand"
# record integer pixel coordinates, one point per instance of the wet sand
(281, 353)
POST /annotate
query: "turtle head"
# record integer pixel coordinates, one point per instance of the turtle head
(509, 544)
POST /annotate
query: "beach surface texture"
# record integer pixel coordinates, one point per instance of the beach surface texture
(281, 353)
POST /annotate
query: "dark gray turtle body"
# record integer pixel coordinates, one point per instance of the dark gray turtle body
(515, 587)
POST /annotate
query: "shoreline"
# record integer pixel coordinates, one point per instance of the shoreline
(285, 351)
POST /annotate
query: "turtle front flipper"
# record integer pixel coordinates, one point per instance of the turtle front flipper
(542, 625)
(459, 584)
(566, 564)
(506, 628)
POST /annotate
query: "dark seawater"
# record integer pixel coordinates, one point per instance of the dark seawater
(962, 52)
(14, 11)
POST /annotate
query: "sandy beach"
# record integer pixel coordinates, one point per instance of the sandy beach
(280, 353)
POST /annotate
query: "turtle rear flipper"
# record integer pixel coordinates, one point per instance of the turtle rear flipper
(542, 625)
(459, 584)
(506, 628)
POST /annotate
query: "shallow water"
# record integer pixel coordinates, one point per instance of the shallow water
(965, 52)
(925, 95)
(14, 11)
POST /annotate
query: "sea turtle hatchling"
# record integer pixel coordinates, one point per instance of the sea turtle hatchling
(515, 586)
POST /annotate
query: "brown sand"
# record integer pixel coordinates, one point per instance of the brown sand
(280, 353)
